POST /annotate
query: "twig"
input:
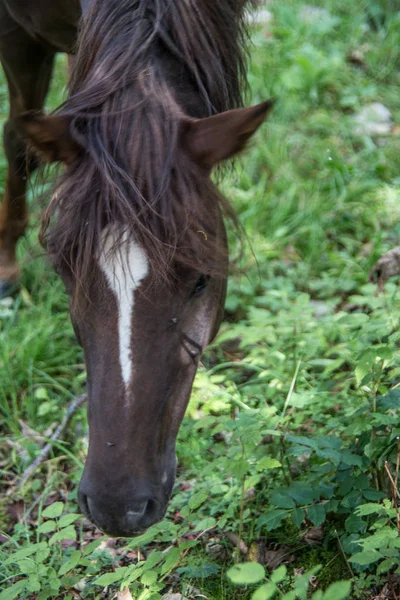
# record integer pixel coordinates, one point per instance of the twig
(395, 493)
(347, 563)
(72, 408)
(389, 474)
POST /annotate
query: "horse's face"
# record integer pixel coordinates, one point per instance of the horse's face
(142, 338)
(142, 343)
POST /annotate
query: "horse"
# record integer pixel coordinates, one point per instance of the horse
(135, 225)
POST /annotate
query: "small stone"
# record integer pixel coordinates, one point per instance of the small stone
(374, 119)
(312, 14)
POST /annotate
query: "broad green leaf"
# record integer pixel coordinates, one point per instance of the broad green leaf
(70, 563)
(24, 552)
(53, 511)
(92, 546)
(339, 590)
(14, 590)
(317, 514)
(68, 533)
(298, 516)
(265, 592)
(239, 468)
(201, 572)
(369, 509)
(47, 526)
(266, 463)
(354, 524)
(66, 520)
(387, 564)
(366, 557)
(279, 574)
(109, 578)
(152, 560)
(171, 560)
(197, 499)
(282, 500)
(272, 518)
(149, 578)
(206, 523)
(33, 584)
(246, 573)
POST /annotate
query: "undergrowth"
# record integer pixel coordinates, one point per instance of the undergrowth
(289, 453)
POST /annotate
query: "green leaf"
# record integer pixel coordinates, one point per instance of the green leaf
(350, 459)
(27, 566)
(366, 557)
(282, 500)
(386, 564)
(66, 520)
(239, 468)
(109, 578)
(369, 509)
(272, 518)
(365, 364)
(92, 546)
(14, 590)
(42, 554)
(317, 514)
(171, 559)
(201, 572)
(266, 463)
(246, 573)
(265, 592)
(46, 527)
(338, 591)
(206, 523)
(24, 552)
(70, 563)
(197, 499)
(33, 584)
(68, 533)
(53, 511)
(354, 524)
(152, 560)
(279, 574)
(149, 577)
(298, 516)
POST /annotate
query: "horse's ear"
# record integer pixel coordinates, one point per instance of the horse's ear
(216, 138)
(49, 135)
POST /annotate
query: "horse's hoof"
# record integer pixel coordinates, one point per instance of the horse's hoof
(8, 287)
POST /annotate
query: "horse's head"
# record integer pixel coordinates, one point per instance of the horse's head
(142, 333)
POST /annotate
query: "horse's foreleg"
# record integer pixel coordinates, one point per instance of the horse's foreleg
(28, 68)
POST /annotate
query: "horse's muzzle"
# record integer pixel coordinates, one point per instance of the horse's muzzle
(122, 517)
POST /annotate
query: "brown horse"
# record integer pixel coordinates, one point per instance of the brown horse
(134, 226)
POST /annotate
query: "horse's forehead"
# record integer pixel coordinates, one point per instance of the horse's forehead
(124, 264)
(122, 260)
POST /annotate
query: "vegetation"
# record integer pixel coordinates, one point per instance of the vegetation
(289, 454)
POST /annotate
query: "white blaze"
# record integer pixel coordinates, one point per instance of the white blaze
(124, 269)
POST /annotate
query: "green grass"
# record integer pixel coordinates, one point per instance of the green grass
(295, 409)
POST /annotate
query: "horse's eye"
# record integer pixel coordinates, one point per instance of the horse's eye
(201, 285)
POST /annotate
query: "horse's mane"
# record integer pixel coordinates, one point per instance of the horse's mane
(141, 66)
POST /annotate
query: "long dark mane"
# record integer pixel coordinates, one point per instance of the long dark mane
(141, 68)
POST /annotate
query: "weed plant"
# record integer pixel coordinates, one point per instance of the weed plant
(289, 453)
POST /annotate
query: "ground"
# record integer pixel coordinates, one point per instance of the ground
(288, 455)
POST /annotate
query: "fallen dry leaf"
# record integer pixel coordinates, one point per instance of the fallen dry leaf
(270, 557)
(234, 539)
(313, 536)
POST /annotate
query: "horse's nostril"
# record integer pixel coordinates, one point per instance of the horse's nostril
(152, 509)
(137, 513)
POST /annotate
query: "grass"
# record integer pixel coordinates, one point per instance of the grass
(295, 409)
